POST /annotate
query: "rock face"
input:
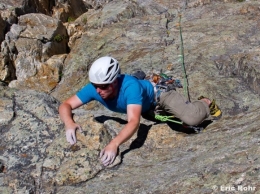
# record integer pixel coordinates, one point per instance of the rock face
(28, 6)
(221, 55)
(34, 147)
(31, 47)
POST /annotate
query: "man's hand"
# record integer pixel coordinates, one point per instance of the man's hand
(108, 154)
(71, 134)
(65, 111)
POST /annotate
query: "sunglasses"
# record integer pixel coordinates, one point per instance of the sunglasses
(101, 87)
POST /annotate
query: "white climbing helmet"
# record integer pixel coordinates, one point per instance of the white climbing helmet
(104, 70)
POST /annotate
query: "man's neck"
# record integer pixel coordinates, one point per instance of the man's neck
(115, 90)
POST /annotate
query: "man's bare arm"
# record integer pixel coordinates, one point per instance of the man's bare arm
(65, 112)
(108, 154)
(133, 117)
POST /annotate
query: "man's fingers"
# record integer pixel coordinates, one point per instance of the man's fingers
(80, 129)
(112, 159)
(104, 157)
(108, 154)
(71, 137)
(70, 140)
(107, 162)
(101, 153)
(74, 137)
(108, 159)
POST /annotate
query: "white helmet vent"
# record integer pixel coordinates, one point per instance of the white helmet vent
(104, 70)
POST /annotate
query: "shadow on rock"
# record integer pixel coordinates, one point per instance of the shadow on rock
(189, 129)
(103, 118)
(139, 141)
(141, 133)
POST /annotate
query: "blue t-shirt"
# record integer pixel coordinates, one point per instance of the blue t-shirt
(131, 91)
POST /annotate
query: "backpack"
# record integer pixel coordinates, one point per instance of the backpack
(161, 82)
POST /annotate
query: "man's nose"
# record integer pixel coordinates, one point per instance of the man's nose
(98, 90)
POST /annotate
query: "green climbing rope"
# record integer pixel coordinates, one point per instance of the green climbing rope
(186, 91)
(166, 118)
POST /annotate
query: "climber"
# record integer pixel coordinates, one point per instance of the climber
(125, 94)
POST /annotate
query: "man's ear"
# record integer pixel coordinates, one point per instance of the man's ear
(115, 83)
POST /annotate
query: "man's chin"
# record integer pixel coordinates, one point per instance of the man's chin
(104, 97)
